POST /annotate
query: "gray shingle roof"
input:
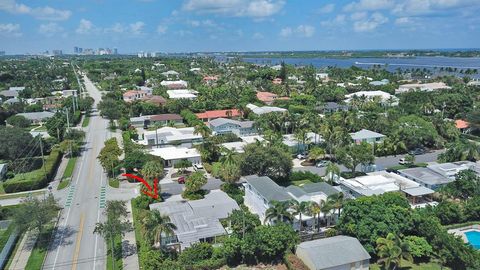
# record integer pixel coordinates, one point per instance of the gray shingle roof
(425, 175)
(322, 187)
(366, 134)
(37, 116)
(267, 188)
(222, 121)
(332, 252)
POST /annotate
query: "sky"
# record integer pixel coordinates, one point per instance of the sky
(32, 26)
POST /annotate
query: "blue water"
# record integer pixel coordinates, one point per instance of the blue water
(391, 64)
(473, 238)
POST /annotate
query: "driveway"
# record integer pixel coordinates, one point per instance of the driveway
(381, 162)
(174, 188)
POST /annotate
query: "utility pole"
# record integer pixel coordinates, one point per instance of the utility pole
(68, 128)
(43, 157)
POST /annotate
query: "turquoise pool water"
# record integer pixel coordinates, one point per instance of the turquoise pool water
(473, 238)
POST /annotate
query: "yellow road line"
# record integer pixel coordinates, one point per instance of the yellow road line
(79, 239)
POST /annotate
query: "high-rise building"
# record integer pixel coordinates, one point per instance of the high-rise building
(57, 52)
(115, 51)
(75, 50)
(80, 50)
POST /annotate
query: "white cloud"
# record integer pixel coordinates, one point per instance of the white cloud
(432, 7)
(305, 30)
(10, 30)
(286, 32)
(235, 8)
(162, 29)
(49, 29)
(358, 16)
(137, 28)
(85, 27)
(371, 23)
(257, 36)
(301, 31)
(41, 13)
(116, 28)
(327, 9)
(339, 20)
(368, 5)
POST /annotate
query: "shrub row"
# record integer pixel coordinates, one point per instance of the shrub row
(35, 179)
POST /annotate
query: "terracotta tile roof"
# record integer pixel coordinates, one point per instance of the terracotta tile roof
(131, 93)
(155, 99)
(218, 114)
(266, 96)
(460, 124)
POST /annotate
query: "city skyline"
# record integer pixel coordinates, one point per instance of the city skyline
(233, 25)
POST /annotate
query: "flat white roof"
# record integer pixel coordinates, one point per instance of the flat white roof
(182, 93)
(174, 153)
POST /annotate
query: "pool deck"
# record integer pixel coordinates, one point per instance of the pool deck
(461, 231)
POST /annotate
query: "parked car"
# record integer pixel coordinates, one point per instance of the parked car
(197, 167)
(181, 180)
(402, 161)
(302, 156)
(322, 163)
(417, 151)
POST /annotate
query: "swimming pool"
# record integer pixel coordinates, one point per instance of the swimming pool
(473, 238)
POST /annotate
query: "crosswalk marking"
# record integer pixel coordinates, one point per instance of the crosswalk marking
(103, 199)
(71, 192)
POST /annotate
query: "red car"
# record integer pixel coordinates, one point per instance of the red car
(181, 180)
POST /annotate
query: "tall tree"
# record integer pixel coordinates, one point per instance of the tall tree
(391, 250)
(278, 211)
(356, 154)
(155, 226)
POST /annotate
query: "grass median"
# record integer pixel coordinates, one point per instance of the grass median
(86, 121)
(67, 174)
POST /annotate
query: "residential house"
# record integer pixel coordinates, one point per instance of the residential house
(268, 98)
(154, 99)
(160, 119)
(146, 89)
(174, 85)
(261, 191)
(425, 87)
(133, 95)
(171, 74)
(12, 101)
(462, 125)
(172, 155)
(224, 126)
(377, 183)
(383, 97)
(211, 115)
(185, 137)
(9, 94)
(334, 253)
(210, 80)
(265, 109)
(322, 76)
(69, 93)
(37, 117)
(297, 146)
(379, 83)
(368, 136)
(3, 170)
(331, 107)
(198, 220)
(182, 93)
(437, 175)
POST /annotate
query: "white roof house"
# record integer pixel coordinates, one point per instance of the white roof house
(171, 135)
(366, 135)
(37, 117)
(170, 73)
(172, 155)
(377, 183)
(182, 93)
(427, 87)
(179, 83)
(369, 95)
(197, 220)
(265, 109)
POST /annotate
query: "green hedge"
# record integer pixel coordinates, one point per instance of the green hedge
(35, 179)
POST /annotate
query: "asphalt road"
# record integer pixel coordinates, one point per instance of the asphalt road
(75, 246)
(170, 189)
(382, 162)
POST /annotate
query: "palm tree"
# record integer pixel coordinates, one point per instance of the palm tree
(316, 153)
(331, 171)
(315, 210)
(391, 250)
(228, 156)
(299, 208)
(154, 225)
(325, 208)
(336, 201)
(278, 212)
(152, 170)
(202, 129)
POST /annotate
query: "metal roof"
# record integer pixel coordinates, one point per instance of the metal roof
(267, 188)
(331, 252)
(365, 134)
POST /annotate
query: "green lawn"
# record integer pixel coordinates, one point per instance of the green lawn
(301, 182)
(5, 234)
(117, 242)
(67, 174)
(22, 195)
(86, 121)
(115, 183)
(39, 251)
(412, 266)
(10, 257)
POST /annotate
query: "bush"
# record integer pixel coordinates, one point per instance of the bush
(196, 253)
(349, 175)
(294, 263)
(305, 175)
(234, 192)
(35, 179)
(182, 164)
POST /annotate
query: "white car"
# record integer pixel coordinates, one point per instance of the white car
(301, 156)
(197, 167)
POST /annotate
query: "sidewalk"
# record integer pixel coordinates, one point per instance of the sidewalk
(129, 245)
(24, 250)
